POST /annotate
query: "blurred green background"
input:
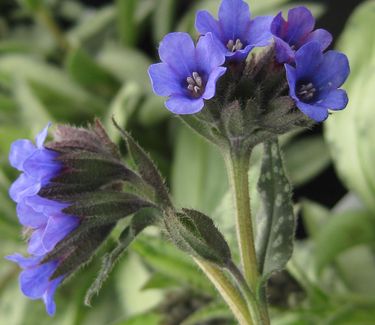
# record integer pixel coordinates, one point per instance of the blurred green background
(68, 61)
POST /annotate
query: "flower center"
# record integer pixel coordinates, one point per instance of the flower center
(234, 46)
(306, 92)
(195, 84)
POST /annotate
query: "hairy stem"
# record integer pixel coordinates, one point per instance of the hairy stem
(228, 291)
(237, 168)
(258, 312)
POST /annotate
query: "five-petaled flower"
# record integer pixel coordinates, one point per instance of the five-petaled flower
(290, 35)
(235, 33)
(315, 80)
(187, 74)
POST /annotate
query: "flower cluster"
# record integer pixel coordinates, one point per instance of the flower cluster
(189, 75)
(43, 218)
(69, 197)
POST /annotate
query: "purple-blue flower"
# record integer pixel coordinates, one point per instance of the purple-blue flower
(187, 74)
(291, 35)
(315, 80)
(235, 33)
(35, 279)
(44, 218)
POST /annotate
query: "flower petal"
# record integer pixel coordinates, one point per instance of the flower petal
(336, 99)
(234, 19)
(332, 72)
(42, 164)
(208, 54)
(300, 23)
(20, 150)
(279, 27)
(308, 60)
(284, 53)
(36, 246)
(24, 186)
(239, 55)
(29, 217)
(41, 137)
(42, 205)
(205, 23)
(211, 83)
(259, 33)
(34, 282)
(164, 80)
(24, 262)
(180, 104)
(315, 112)
(49, 294)
(291, 76)
(58, 227)
(321, 36)
(178, 51)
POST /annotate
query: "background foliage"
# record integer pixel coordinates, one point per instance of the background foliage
(68, 61)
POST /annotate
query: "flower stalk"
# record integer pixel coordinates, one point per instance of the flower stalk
(228, 291)
(237, 165)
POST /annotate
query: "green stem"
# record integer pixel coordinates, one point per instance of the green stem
(258, 312)
(228, 291)
(237, 168)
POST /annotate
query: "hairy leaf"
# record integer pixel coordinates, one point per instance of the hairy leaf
(276, 221)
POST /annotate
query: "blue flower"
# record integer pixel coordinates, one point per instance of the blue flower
(44, 218)
(235, 33)
(48, 223)
(187, 74)
(35, 279)
(290, 35)
(315, 80)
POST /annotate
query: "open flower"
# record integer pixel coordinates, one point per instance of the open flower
(315, 80)
(35, 279)
(290, 35)
(187, 74)
(235, 33)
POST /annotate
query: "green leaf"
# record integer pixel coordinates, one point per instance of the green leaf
(166, 259)
(127, 65)
(350, 134)
(33, 112)
(87, 72)
(152, 111)
(314, 216)
(125, 18)
(305, 159)
(92, 30)
(198, 176)
(122, 107)
(143, 319)
(131, 276)
(140, 221)
(209, 313)
(341, 232)
(276, 222)
(50, 86)
(195, 233)
(163, 18)
(146, 168)
(160, 281)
